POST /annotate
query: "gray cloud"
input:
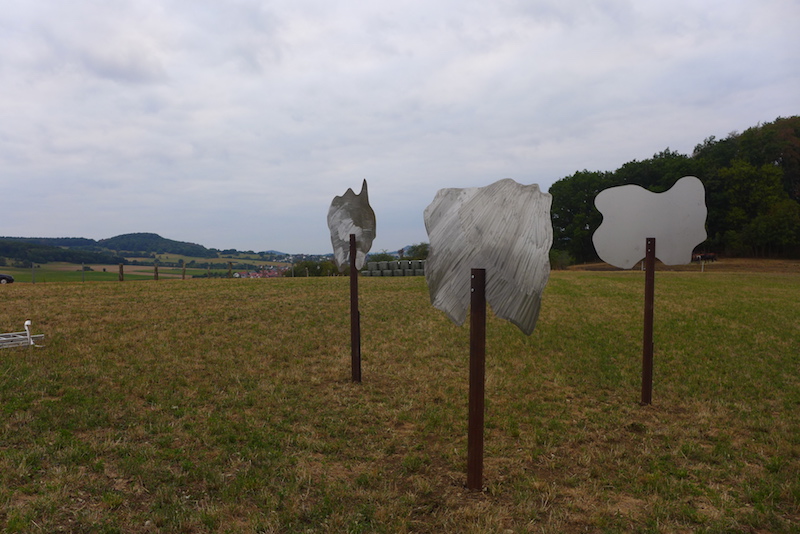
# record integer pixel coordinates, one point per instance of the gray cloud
(235, 124)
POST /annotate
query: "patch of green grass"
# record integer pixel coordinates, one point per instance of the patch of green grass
(47, 273)
(227, 406)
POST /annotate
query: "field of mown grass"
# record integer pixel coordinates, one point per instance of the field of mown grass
(227, 406)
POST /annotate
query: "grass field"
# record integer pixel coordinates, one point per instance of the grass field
(227, 406)
(70, 272)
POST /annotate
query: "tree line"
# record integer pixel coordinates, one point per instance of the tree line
(153, 243)
(137, 244)
(26, 254)
(752, 182)
(325, 267)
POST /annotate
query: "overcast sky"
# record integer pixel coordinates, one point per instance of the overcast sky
(234, 123)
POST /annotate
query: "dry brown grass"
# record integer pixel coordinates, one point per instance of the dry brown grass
(226, 406)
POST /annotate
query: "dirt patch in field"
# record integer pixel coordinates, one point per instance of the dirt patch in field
(723, 265)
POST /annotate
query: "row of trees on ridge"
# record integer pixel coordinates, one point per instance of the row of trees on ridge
(752, 183)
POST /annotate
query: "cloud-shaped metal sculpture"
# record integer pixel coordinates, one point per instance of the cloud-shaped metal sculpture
(351, 214)
(675, 218)
(504, 228)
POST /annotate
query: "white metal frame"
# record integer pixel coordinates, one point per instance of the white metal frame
(20, 339)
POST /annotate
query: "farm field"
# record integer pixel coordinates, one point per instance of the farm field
(219, 263)
(226, 406)
(70, 272)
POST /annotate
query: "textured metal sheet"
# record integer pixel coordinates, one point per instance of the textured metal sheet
(675, 218)
(504, 228)
(351, 214)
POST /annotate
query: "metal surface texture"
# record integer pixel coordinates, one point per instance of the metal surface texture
(351, 214)
(631, 214)
(504, 228)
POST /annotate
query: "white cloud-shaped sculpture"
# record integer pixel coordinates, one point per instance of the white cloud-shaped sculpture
(351, 214)
(675, 218)
(504, 228)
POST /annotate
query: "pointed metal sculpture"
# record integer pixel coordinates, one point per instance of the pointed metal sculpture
(504, 228)
(351, 214)
(352, 225)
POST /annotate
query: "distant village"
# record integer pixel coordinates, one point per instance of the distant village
(267, 271)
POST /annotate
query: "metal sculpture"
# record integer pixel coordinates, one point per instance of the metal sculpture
(352, 225)
(351, 214)
(504, 228)
(631, 214)
(634, 220)
(488, 244)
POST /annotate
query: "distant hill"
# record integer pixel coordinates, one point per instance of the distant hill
(146, 243)
(142, 244)
(17, 249)
(83, 250)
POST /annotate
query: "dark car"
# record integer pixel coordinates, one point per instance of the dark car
(6, 278)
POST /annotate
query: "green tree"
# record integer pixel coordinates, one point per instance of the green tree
(381, 256)
(750, 191)
(776, 232)
(419, 251)
(574, 215)
(312, 268)
(658, 173)
(752, 183)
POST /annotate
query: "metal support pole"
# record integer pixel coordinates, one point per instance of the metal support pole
(647, 343)
(355, 316)
(477, 378)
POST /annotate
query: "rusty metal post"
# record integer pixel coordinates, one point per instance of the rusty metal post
(155, 270)
(647, 343)
(477, 378)
(121, 273)
(355, 316)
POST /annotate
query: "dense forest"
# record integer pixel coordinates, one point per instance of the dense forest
(752, 182)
